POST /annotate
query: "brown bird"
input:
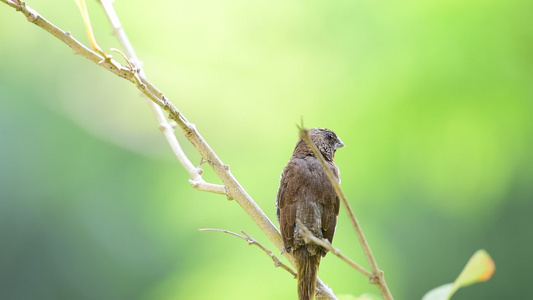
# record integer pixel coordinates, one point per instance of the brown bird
(305, 193)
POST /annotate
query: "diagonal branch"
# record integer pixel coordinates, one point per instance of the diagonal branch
(252, 241)
(308, 235)
(378, 278)
(165, 126)
(232, 188)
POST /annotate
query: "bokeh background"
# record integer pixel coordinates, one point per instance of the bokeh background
(434, 101)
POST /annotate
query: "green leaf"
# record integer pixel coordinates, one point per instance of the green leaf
(439, 293)
(479, 268)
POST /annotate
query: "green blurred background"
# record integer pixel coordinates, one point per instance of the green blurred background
(434, 101)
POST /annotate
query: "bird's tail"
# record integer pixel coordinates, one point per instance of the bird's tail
(307, 270)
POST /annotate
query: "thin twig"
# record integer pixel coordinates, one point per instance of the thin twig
(252, 241)
(378, 277)
(308, 235)
(233, 189)
(85, 15)
(196, 179)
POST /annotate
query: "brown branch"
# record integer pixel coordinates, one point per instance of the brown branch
(252, 241)
(309, 236)
(378, 277)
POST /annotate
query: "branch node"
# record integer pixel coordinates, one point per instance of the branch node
(190, 128)
(229, 196)
(199, 170)
(163, 127)
(166, 103)
(194, 183)
(116, 30)
(132, 67)
(175, 112)
(32, 15)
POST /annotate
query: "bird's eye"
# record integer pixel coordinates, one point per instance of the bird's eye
(330, 136)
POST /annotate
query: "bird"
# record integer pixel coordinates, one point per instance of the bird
(305, 193)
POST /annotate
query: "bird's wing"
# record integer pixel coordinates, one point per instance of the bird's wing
(331, 206)
(288, 195)
(329, 220)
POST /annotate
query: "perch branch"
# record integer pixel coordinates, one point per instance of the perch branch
(232, 187)
(378, 277)
(308, 236)
(252, 241)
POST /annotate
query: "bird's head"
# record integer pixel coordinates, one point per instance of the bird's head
(324, 139)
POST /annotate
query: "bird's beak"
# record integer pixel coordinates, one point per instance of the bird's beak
(338, 143)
